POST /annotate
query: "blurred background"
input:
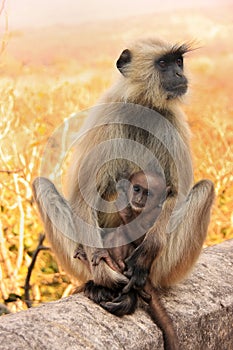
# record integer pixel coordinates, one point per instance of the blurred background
(56, 58)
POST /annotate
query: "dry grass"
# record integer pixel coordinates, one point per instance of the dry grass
(36, 96)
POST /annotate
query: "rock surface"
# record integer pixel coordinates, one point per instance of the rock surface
(201, 309)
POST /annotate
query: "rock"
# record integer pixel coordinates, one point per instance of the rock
(201, 309)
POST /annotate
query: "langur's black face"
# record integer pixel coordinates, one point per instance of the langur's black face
(156, 69)
(172, 78)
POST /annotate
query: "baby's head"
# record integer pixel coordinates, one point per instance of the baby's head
(147, 190)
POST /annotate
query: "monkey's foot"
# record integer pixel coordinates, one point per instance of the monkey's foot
(80, 253)
(124, 304)
(103, 254)
(98, 293)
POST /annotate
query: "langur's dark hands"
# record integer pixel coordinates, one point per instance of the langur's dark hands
(137, 269)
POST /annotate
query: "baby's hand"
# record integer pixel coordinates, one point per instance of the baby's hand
(103, 254)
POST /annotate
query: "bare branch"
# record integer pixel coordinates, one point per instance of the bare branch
(6, 34)
(11, 171)
(68, 290)
(30, 268)
(4, 253)
(2, 6)
(3, 288)
(21, 226)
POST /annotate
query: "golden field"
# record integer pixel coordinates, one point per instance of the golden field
(48, 74)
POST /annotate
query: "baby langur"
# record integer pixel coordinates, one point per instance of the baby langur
(145, 197)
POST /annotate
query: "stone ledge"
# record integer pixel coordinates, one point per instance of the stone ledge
(201, 309)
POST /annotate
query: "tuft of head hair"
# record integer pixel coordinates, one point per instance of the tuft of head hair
(181, 49)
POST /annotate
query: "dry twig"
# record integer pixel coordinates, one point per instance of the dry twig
(30, 268)
(21, 226)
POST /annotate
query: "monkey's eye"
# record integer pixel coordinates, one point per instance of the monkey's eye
(162, 64)
(179, 61)
(136, 188)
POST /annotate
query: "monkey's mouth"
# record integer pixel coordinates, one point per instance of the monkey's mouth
(177, 90)
(137, 206)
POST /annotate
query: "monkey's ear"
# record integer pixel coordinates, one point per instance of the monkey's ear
(123, 60)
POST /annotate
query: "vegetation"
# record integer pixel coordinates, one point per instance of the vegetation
(46, 75)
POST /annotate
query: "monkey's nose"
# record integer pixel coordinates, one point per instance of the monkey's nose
(180, 75)
(138, 204)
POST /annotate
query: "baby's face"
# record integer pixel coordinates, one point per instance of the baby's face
(146, 191)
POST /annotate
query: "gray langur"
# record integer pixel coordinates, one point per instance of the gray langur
(152, 82)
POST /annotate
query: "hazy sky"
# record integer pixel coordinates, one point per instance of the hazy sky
(23, 13)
